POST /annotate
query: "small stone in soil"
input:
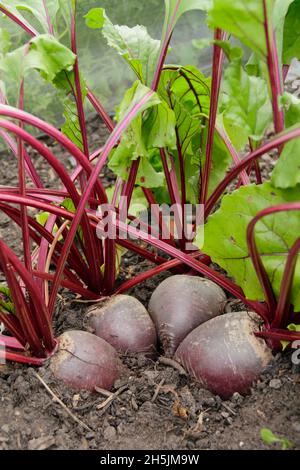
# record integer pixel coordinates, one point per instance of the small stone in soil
(209, 401)
(109, 433)
(296, 426)
(275, 383)
(41, 443)
(151, 374)
(237, 397)
(5, 428)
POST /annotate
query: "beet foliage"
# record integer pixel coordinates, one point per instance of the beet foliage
(178, 138)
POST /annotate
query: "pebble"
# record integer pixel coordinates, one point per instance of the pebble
(41, 443)
(203, 444)
(109, 433)
(275, 383)
(209, 401)
(134, 404)
(120, 383)
(261, 385)
(121, 428)
(237, 397)
(151, 374)
(296, 426)
(5, 428)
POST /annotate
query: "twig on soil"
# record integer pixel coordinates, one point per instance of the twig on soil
(157, 390)
(170, 362)
(106, 403)
(61, 403)
(88, 301)
(104, 392)
(196, 430)
(228, 409)
(87, 406)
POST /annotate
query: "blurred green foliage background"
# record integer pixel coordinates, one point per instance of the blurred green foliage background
(105, 72)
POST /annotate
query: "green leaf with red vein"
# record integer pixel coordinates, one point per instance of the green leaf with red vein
(226, 242)
(176, 8)
(187, 92)
(6, 303)
(35, 8)
(245, 20)
(286, 173)
(291, 38)
(246, 105)
(135, 45)
(149, 131)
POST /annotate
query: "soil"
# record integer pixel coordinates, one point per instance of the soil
(154, 407)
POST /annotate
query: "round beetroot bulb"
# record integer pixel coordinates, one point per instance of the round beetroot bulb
(224, 355)
(181, 303)
(124, 323)
(84, 361)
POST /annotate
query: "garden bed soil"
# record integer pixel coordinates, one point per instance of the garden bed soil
(154, 407)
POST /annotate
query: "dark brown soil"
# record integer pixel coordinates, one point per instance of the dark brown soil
(155, 407)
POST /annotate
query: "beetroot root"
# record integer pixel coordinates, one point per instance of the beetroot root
(125, 324)
(84, 361)
(180, 304)
(224, 355)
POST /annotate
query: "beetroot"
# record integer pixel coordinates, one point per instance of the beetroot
(224, 354)
(84, 361)
(124, 323)
(181, 303)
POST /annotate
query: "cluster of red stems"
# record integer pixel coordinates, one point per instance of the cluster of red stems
(77, 265)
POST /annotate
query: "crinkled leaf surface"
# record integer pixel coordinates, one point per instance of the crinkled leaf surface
(245, 20)
(291, 38)
(187, 91)
(176, 8)
(49, 56)
(44, 54)
(246, 106)
(55, 63)
(153, 128)
(135, 45)
(225, 237)
(286, 173)
(221, 160)
(64, 83)
(35, 8)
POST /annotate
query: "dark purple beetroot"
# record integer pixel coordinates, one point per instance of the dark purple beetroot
(224, 355)
(125, 324)
(180, 304)
(84, 361)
